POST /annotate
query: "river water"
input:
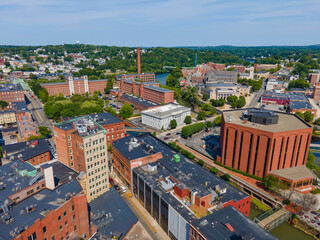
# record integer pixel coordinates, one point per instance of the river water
(162, 78)
(285, 231)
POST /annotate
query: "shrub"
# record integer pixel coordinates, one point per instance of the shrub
(187, 120)
(286, 201)
(214, 170)
(217, 120)
(226, 177)
(201, 162)
(201, 115)
(316, 191)
(209, 124)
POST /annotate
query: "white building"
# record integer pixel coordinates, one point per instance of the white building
(160, 117)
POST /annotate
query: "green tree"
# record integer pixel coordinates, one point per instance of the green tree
(43, 95)
(300, 115)
(126, 110)
(206, 107)
(217, 120)
(308, 116)
(173, 124)
(201, 162)
(209, 124)
(214, 170)
(317, 121)
(187, 120)
(232, 99)
(109, 86)
(218, 103)
(201, 115)
(43, 130)
(241, 102)
(34, 137)
(226, 177)
(187, 131)
(205, 97)
(154, 133)
(3, 104)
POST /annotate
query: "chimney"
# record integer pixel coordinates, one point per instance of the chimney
(48, 176)
(138, 60)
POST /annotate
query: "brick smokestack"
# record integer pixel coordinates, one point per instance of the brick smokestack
(138, 60)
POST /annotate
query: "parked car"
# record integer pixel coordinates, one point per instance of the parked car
(116, 187)
(306, 216)
(168, 134)
(166, 138)
(123, 189)
(111, 180)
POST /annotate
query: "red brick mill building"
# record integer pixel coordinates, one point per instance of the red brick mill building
(75, 86)
(260, 141)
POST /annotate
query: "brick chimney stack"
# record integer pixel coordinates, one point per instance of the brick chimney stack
(138, 60)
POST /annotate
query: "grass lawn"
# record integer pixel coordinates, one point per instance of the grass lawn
(260, 205)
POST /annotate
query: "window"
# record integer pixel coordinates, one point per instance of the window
(69, 137)
(44, 229)
(72, 207)
(60, 227)
(66, 223)
(53, 238)
(29, 192)
(59, 218)
(70, 145)
(65, 213)
(75, 228)
(33, 236)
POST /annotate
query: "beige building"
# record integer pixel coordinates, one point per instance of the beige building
(7, 117)
(82, 145)
(224, 90)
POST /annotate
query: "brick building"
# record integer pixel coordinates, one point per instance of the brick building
(316, 91)
(171, 187)
(44, 203)
(313, 78)
(137, 102)
(11, 93)
(260, 141)
(213, 76)
(35, 152)
(261, 67)
(144, 77)
(81, 144)
(75, 86)
(149, 91)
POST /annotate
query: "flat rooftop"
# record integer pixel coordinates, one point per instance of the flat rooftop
(296, 105)
(139, 100)
(84, 126)
(293, 173)
(158, 89)
(287, 121)
(26, 150)
(110, 213)
(166, 110)
(190, 174)
(105, 118)
(10, 87)
(39, 204)
(228, 223)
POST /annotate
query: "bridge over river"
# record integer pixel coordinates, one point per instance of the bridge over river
(273, 218)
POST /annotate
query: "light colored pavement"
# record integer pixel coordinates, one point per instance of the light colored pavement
(146, 220)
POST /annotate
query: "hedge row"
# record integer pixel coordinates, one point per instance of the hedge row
(238, 171)
(191, 129)
(182, 151)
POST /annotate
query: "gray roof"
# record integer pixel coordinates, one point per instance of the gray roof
(293, 173)
(166, 110)
(45, 201)
(105, 118)
(121, 220)
(158, 89)
(214, 226)
(26, 149)
(11, 87)
(20, 106)
(296, 105)
(189, 173)
(139, 100)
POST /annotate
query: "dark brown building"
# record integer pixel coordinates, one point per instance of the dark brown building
(260, 141)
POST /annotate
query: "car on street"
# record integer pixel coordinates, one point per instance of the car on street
(166, 138)
(111, 180)
(116, 187)
(168, 134)
(12, 136)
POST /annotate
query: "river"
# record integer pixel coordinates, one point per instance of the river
(162, 78)
(285, 231)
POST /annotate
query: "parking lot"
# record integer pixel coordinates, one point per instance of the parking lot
(310, 217)
(204, 142)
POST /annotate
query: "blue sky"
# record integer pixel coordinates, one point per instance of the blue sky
(160, 22)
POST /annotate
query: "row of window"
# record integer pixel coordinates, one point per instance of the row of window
(121, 128)
(96, 149)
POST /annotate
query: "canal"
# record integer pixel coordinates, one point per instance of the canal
(162, 78)
(285, 231)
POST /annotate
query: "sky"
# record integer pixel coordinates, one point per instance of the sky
(167, 23)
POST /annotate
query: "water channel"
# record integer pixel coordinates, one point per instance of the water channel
(162, 78)
(285, 231)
